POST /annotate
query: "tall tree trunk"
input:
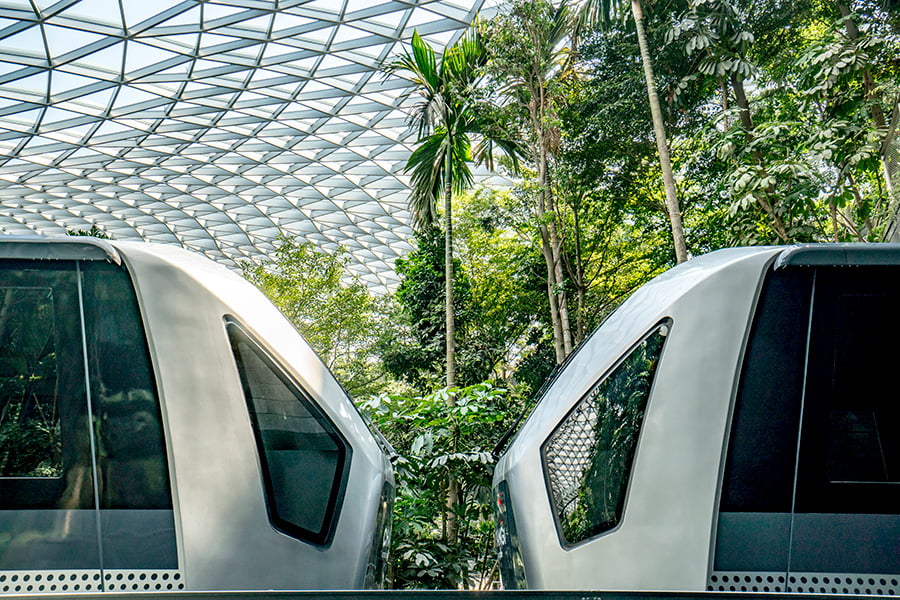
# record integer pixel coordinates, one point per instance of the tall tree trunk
(449, 316)
(562, 331)
(659, 131)
(453, 486)
(547, 251)
(556, 248)
(550, 246)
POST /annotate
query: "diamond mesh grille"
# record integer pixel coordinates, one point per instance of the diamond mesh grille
(588, 458)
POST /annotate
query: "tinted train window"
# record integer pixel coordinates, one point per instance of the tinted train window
(304, 458)
(79, 416)
(30, 438)
(588, 457)
(818, 373)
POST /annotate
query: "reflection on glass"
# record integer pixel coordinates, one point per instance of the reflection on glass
(588, 457)
(132, 465)
(30, 441)
(302, 455)
(48, 516)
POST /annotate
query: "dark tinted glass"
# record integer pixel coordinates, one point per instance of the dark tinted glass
(850, 453)
(754, 524)
(132, 464)
(30, 437)
(821, 375)
(588, 458)
(52, 416)
(759, 470)
(137, 521)
(509, 557)
(45, 457)
(304, 458)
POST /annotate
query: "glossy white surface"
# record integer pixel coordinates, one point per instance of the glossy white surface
(225, 538)
(663, 540)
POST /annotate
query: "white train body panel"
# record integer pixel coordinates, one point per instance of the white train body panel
(230, 531)
(665, 534)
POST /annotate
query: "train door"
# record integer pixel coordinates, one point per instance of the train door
(85, 497)
(810, 497)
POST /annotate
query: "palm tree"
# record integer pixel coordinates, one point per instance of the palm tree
(446, 117)
(593, 12)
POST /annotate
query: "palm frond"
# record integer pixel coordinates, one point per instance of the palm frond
(426, 166)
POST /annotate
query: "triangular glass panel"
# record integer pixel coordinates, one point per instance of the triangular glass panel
(328, 6)
(139, 56)
(62, 40)
(191, 16)
(285, 21)
(258, 24)
(420, 17)
(212, 11)
(55, 116)
(211, 43)
(184, 43)
(129, 96)
(94, 104)
(61, 83)
(4, 23)
(273, 51)
(318, 36)
(34, 84)
(29, 42)
(104, 11)
(247, 52)
(108, 59)
(6, 67)
(138, 12)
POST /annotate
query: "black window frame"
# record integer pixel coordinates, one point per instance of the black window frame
(664, 328)
(798, 532)
(325, 535)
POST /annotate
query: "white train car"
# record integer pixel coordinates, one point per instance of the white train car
(164, 427)
(733, 426)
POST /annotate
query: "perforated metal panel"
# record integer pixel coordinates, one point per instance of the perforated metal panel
(57, 581)
(49, 582)
(142, 580)
(805, 583)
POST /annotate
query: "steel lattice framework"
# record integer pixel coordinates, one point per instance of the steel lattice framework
(213, 125)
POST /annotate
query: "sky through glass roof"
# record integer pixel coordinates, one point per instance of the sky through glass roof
(213, 125)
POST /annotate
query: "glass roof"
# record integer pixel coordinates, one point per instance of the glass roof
(213, 125)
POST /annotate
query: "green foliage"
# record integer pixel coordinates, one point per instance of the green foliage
(443, 436)
(803, 152)
(30, 436)
(415, 354)
(94, 231)
(500, 255)
(781, 118)
(336, 314)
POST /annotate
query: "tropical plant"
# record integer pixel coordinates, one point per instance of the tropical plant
(424, 429)
(528, 55)
(333, 310)
(446, 118)
(603, 12)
